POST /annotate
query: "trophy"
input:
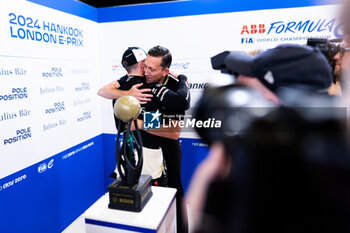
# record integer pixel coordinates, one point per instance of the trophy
(130, 191)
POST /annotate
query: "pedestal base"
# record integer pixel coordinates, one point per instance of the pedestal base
(134, 198)
(158, 215)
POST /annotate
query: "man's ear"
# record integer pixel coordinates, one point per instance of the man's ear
(142, 64)
(166, 71)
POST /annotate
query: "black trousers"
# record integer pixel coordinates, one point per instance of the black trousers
(172, 155)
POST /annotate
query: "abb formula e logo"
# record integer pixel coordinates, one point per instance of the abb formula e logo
(292, 30)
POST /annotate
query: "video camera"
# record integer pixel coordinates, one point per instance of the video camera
(237, 106)
(218, 62)
(328, 47)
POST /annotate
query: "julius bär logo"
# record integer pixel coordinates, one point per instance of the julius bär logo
(151, 120)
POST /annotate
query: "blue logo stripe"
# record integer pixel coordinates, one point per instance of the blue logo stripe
(169, 9)
(72, 7)
(187, 8)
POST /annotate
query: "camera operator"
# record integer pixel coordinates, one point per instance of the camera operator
(345, 20)
(342, 64)
(287, 65)
(285, 173)
(336, 88)
(334, 50)
(345, 23)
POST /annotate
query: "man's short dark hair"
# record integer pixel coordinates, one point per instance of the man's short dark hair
(159, 51)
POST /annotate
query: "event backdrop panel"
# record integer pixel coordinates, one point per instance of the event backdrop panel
(51, 143)
(49, 75)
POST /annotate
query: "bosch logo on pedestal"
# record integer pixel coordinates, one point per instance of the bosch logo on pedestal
(16, 93)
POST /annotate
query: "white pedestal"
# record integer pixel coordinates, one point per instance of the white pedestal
(78, 226)
(159, 215)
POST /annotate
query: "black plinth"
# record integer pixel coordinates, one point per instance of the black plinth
(133, 198)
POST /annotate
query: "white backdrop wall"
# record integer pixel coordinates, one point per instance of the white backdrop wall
(193, 40)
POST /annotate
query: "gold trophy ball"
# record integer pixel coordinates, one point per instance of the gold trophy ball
(127, 108)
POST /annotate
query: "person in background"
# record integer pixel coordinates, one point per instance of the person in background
(266, 72)
(336, 88)
(345, 22)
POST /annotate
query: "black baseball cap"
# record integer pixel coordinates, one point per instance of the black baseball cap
(286, 65)
(132, 56)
